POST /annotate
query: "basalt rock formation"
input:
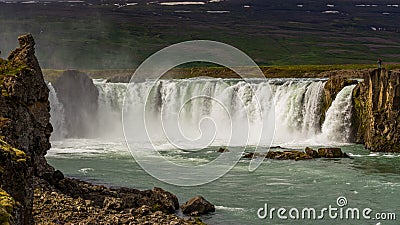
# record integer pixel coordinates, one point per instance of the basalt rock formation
(78, 94)
(197, 206)
(25, 176)
(332, 87)
(377, 109)
(24, 129)
(307, 154)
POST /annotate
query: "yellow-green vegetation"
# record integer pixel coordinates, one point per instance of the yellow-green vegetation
(51, 75)
(7, 69)
(312, 70)
(7, 204)
(292, 71)
(15, 154)
(199, 221)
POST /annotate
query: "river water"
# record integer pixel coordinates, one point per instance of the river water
(368, 180)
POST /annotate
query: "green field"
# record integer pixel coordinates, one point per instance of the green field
(292, 71)
(101, 36)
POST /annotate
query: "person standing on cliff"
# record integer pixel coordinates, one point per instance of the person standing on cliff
(379, 63)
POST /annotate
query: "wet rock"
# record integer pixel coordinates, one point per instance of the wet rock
(311, 152)
(24, 126)
(308, 154)
(156, 199)
(332, 153)
(197, 206)
(165, 200)
(377, 111)
(51, 206)
(144, 210)
(332, 87)
(112, 203)
(76, 91)
(222, 150)
(251, 155)
(288, 155)
(57, 176)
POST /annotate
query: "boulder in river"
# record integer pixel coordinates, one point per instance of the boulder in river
(197, 206)
(222, 150)
(311, 152)
(332, 153)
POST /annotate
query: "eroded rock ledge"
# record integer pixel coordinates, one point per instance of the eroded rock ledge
(24, 140)
(307, 154)
(377, 109)
(78, 94)
(83, 203)
(24, 128)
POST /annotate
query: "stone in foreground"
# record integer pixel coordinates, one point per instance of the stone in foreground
(197, 206)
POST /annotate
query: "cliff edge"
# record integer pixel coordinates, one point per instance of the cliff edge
(24, 127)
(377, 111)
(31, 191)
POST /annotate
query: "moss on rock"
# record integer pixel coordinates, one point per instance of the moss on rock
(9, 70)
(15, 154)
(7, 204)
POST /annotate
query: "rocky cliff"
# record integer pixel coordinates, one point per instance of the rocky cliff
(24, 127)
(28, 184)
(79, 95)
(377, 110)
(332, 87)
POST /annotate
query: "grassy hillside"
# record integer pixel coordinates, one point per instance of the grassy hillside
(102, 35)
(292, 71)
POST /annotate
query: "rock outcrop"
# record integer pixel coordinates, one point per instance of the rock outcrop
(331, 153)
(24, 140)
(24, 127)
(377, 109)
(332, 87)
(76, 91)
(15, 185)
(53, 206)
(197, 206)
(308, 153)
(223, 149)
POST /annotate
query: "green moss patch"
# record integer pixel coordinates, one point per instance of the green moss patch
(7, 70)
(15, 154)
(7, 204)
(189, 71)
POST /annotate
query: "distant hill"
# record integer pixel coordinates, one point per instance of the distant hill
(106, 34)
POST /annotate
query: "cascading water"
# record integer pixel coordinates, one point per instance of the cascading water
(337, 125)
(57, 118)
(298, 109)
(297, 104)
(110, 101)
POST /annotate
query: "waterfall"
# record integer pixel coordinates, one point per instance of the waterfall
(297, 106)
(298, 110)
(110, 101)
(337, 125)
(57, 118)
(189, 107)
